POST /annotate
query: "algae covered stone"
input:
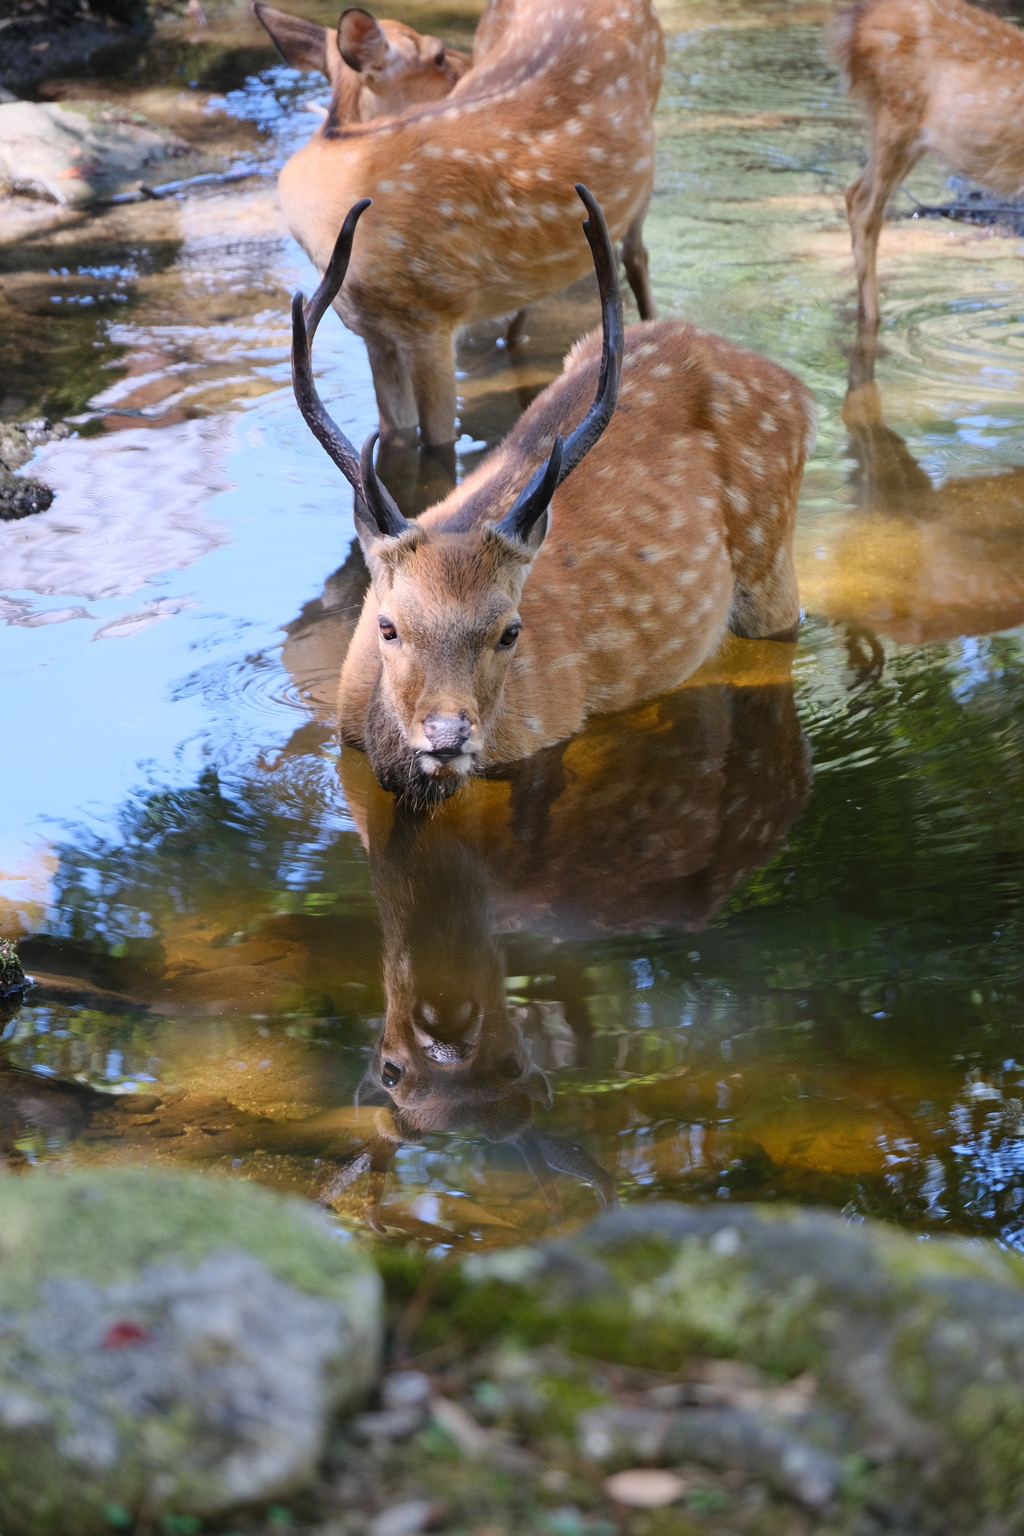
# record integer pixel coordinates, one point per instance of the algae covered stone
(169, 1344)
(12, 982)
(916, 1347)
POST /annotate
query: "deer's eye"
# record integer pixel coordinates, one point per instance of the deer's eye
(509, 638)
(510, 1068)
(439, 60)
(390, 1073)
(387, 629)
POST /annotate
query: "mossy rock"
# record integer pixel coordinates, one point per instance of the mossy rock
(12, 977)
(917, 1346)
(169, 1344)
(12, 982)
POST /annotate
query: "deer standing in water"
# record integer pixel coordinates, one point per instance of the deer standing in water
(485, 636)
(375, 68)
(473, 214)
(933, 75)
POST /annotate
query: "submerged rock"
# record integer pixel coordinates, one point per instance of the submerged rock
(916, 1348)
(77, 154)
(169, 1344)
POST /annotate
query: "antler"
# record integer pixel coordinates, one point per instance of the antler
(534, 500)
(542, 1154)
(374, 504)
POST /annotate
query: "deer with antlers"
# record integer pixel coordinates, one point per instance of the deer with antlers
(935, 75)
(527, 600)
(472, 204)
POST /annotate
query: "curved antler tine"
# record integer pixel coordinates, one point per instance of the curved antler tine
(536, 496)
(376, 496)
(334, 276)
(528, 1143)
(305, 319)
(534, 500)
(597, 418)
(569, 1157)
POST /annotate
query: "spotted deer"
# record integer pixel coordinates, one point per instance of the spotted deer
(533, 597)
(375, 68)
(473, 213)
(934, 75)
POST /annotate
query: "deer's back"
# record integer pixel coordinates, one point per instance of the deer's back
(946, 72)
(474, 210)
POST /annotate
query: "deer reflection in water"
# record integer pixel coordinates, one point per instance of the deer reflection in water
(647, 819)
(917, 561)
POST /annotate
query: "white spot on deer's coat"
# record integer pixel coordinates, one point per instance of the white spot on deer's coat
(661, 370)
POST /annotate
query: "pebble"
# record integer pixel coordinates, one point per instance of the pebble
(645, 1487)
(406, 1519)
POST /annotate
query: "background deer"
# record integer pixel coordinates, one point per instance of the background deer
(677, 526)
(473, 212)
(376, 68)
(933, 75)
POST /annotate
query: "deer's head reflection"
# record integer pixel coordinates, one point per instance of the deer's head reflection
(646, 820)
(450, 1053)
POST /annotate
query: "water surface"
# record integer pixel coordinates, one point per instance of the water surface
(759, 939)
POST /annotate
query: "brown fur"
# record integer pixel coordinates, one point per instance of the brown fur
(677, 525)
(400, 68)
(934, 75)
(474, 213)
(659, 815)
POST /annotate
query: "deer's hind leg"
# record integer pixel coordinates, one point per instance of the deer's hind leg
(636, 263)
(769, 607)
(894, 153)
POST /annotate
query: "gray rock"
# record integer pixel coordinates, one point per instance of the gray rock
(76, 154)
(916, 1349)
(20, 496)
(180, 1349)
(720, 1437)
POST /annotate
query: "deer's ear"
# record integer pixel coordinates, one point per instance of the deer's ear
(300, 43)
(361, 41)
(385, 555)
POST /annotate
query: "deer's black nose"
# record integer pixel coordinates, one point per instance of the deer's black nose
(447, 734)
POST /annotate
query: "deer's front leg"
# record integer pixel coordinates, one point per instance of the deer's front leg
(392, 381)
(431, 357)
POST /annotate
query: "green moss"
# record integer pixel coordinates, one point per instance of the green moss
(103, 1226)
(946, 1258)
(564, 1400)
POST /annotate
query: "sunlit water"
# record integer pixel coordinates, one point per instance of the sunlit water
(759, 940)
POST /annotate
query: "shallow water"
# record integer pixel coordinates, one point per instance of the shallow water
(761, 939)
